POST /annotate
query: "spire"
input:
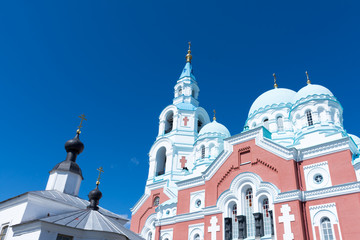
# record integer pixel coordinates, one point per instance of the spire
(275, 84)
(307, 77)
(188, 55)
(214, 118)
(95, 195)
(187, 71)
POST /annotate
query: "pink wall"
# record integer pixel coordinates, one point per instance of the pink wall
(139, 218)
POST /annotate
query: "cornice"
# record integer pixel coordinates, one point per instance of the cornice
(189, 183)
(325, 149)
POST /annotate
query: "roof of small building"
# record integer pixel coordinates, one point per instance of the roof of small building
(91, 220)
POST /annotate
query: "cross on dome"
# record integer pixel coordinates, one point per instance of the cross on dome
(82, 116)
(188, 55)
(307, 77)
(275, 84)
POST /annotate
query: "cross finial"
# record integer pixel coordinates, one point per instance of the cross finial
(82, 116)
(307, 77)
(275, 84)
(214, 118)
(100, 169)
(188, 55)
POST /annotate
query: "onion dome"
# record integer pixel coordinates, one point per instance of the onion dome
(311, 90)
(273, 98)
(73, 147)
(94, 197)
(214, 129)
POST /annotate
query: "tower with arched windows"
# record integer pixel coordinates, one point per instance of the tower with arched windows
(293, 173)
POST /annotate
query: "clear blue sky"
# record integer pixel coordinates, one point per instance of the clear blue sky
(117, 62)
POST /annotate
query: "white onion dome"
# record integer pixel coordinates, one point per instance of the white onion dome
(273, 98)
(214, 129)
(311, 90)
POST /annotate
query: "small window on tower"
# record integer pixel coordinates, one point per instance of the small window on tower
(309, 118)
(202, 151)
(64, 237)
(266, 123)
(180, 91)
(280, 124)
(156, 201)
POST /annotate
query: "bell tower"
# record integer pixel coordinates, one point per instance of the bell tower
(171, 155)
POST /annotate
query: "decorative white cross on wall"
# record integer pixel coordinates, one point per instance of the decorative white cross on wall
(286, 219)
(213, 228)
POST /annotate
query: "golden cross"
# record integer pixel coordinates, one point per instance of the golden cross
(188, 55)
(214, 118)
(189, 45)
(307, 76)
(275, 84)
(82, 116)
(100, 169)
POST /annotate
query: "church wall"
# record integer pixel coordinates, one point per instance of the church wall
(183, 205)
(12, 215)
(296, 227)
(248, 157)
(347, 211)
(339, 164)
(139, 218)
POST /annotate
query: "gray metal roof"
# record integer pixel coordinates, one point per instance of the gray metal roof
(91, 220)
(74, 201)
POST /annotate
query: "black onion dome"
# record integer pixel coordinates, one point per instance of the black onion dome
(74, 145)
(94, 197)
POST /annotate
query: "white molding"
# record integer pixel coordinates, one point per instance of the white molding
(190, 183)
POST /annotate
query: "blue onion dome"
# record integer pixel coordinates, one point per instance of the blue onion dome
(276, 97)
(214, 129)
(311, 91)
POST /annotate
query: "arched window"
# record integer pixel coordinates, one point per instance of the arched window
(149, 236)
(200, 125)
(197, 237)
(235, 227)
(169, 122)
(309, 118)
(326, 229)
(179, 91)
(160, 161)
(193, 93)
(202, 152)
(156, 201)
(249, 210)
(280, 123)
(266, 123)
(266, 217)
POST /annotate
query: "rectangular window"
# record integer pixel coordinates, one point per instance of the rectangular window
(3, 232)
(64, 237)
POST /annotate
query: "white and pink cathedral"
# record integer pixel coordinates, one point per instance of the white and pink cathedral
(293, 173)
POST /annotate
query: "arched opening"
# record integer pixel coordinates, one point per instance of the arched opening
(202, 149)
(233, 212)
(160, 161)
(280, 123)
(309, 118)
(169, 122)
(266, 123)
(266, 216)
(249, 212)
(200, 124)
(149, 236)
(326, 229)
(156, 201)
(179, 91)
(197, 237)
(193, 93)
